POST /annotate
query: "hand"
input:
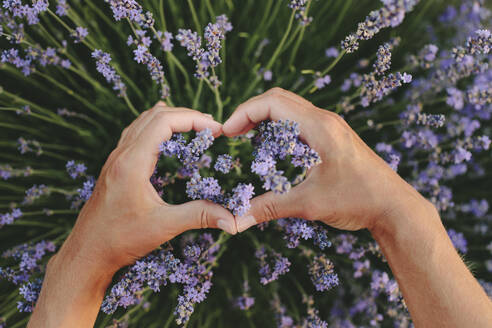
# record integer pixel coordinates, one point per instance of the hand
(351, 189)
(125, 218)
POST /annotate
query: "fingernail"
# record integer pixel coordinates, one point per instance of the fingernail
(245, 222)
(226, 226)
(209, 115)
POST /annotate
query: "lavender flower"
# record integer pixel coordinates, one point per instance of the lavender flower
(458, 240)
(34, 193)
(30, 293)
(296, 230)
(277, 140)
(62, 8)
(203, 188)
(238, 202)
(321, 82)
(109, 73)
(75, 169)
(9, 218)
(79, 34)
(297, 4)
(272, 265)
(322, 273)
(165, 40)
(224, 163)
(28, 257)
(383, 62)
(332, 52)
(391, 14)
(244, 302)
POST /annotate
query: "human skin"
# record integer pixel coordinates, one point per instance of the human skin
(352, 189)
(123, 221)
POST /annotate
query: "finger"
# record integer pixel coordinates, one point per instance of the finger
(199, 214)
(154, 111)
(274, 105)
(271, 206)
(144, 152)
(129, 130)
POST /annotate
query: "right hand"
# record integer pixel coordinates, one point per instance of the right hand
(352, 189)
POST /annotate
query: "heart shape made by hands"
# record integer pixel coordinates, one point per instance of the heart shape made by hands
(274, 141)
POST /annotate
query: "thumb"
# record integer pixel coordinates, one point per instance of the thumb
(271, 206)
(198, 214)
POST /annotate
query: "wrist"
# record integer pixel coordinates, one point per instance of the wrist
(407, 209)
(71, 258)
(72, 291)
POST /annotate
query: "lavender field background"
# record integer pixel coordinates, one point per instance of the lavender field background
(411, 77)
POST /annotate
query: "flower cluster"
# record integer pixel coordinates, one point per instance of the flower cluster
(10, 217)
(435, 131)
(245, 301)
(208, 58)
(109, 73)
(28, 257)
(277, 140)
(162, 267)
(391, 14)
(7, 172)
(75, 170)
(272, 265)
(31, 13)
(322, 273)
(296, 230)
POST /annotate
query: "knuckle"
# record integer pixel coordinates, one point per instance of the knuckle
(203, 215)
(161, 116)
(270, 211)
(118, 168)
(275, 92)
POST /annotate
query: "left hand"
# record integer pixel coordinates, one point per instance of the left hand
(125, 218)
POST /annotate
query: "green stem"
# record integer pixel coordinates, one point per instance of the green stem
(195, 17)
(196, 99)
(277, 51)
(311, 88)
(76, 96)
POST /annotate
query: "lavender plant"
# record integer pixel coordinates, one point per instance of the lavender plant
(411, 77)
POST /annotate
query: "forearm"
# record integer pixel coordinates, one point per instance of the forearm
(438, 288)
(72, 292)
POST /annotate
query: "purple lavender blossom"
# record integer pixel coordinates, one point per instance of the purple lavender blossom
(9, 218)
(154, 271)
(239, 201)
(245, 301)
(62, 8)
(85, 192)
(109, 73)
(297, 4)
(165, 40)
(34, 193)
(28, 257)
(322, 273)
(224, 163)
(390, 15)
(277, 140)
(458, 240)
(203, 188)
(75, 169)
(296, 230)
(79, 34)
(30, 292)
(321, 82)
(272, 265)
(383, 61)
(332, 52)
